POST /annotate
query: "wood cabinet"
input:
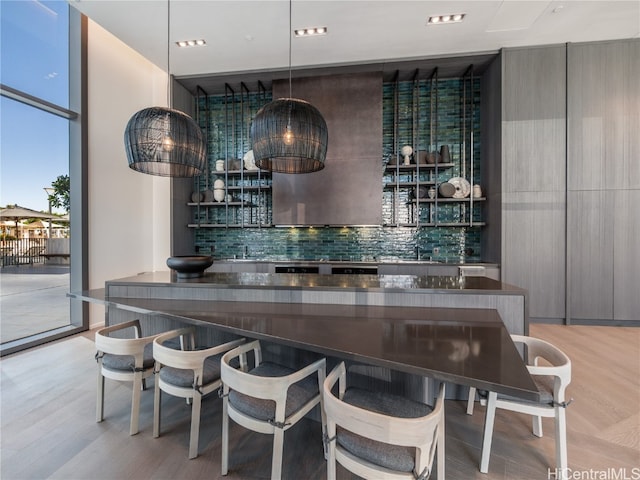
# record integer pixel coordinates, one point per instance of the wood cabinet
(603, 170)
(570, 179)
(533, 203)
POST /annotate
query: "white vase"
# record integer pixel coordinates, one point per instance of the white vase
(406, 152)
(219, 165)
(477, 191)
(218, 194)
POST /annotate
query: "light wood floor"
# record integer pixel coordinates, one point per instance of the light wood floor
(49, 430)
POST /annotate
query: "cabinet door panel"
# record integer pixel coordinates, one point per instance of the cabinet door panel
(534, 250)
(626, 255)
(534, 119)
(443, 270)
(591, 238)
(604, 115)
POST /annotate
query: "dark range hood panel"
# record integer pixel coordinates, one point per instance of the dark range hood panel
(348, 191)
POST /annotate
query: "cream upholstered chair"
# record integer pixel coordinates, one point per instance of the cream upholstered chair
(188, 373)
(551, 379)
(381, 435)
(269, 398)
(123, 359)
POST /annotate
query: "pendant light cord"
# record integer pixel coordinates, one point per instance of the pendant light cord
(290, 8)
(168, 54)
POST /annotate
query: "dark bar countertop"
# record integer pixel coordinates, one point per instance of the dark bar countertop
(467, 346)
(405, 283)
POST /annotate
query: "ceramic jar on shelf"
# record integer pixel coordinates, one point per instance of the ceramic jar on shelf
(218, 190)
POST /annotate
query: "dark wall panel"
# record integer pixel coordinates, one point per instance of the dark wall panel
(348, 191)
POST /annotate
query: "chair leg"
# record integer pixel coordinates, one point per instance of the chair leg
(225, 436)
(135, 402)
(278, 447)
(195, 425)
(157, 404)
(331, 451)
(488, 431)
(537, 425)
(440, 451)
(561, 439)
(323, 416)
(100, 396)
(471, 400)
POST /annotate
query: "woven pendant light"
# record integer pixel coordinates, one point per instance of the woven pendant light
(166, 142)
(289, 135)
(163, 141)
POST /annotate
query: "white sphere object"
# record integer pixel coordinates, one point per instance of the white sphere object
(406, 150)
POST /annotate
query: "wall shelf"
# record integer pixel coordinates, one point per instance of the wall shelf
(448, 200)
(417, 123)
(230, 225)
(419, 166)
(226, 120)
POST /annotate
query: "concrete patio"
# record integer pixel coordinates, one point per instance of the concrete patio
(32, 300)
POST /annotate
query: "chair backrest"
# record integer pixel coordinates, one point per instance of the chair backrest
(560, 363)
(122, 346)
(187, 357)
(268, 388)
(421, 432)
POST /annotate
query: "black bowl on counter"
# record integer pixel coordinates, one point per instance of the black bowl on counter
(189, 266)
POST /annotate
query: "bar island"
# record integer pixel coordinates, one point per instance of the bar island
(409, 331)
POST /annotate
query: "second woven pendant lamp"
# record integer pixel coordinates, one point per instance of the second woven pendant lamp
(289, 135)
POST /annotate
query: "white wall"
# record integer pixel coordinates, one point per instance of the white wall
(129, 212)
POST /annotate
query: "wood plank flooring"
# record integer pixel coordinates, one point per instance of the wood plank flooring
(48, 424)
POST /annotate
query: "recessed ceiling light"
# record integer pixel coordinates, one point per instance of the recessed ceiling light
(191, 43)
(310, 32)
(442, 19)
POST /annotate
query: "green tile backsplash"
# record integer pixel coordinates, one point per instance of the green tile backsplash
(417, 124)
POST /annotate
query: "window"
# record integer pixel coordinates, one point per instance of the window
(42, 45)
(35, 49)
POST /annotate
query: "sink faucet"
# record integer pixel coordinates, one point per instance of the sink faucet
(245, 251)
(417, 252)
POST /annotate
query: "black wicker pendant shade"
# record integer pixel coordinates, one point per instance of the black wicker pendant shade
(163, 141)
(289, 135)
(166, 142)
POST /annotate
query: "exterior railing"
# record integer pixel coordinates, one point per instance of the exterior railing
(32, 251)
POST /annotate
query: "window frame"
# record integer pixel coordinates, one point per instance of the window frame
(78, 157)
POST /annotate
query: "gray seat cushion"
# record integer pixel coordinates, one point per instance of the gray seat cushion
(393, 457)
(545, 388)
(126, 362)
(298, 394)
(182, 377)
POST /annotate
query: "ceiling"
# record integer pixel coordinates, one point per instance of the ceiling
(253, 36)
